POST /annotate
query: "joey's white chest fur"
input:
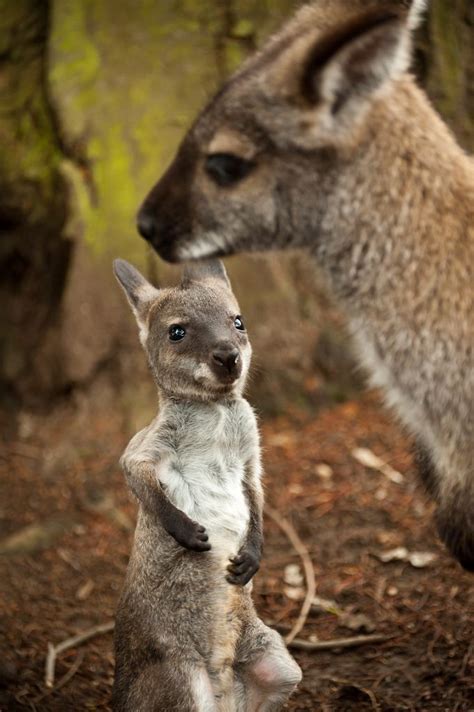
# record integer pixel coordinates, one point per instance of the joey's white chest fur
(207, 447)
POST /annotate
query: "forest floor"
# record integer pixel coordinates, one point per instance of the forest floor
(67, 525)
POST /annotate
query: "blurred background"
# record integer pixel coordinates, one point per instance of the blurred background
(95, 96)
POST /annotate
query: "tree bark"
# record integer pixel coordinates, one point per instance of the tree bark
(447, 64)
(34, 255)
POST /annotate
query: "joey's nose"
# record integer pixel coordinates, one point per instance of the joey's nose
(146, 225)
(227, 359)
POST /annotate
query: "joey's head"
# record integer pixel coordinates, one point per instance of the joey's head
(193, 335)
(261, 162)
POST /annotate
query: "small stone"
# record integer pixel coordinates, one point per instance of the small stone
(420, 559)
(295, 488)
(292, 575)
(324, 471)
(293, 593)
(84, 591)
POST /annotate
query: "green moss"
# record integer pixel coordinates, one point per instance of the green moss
(77, 58)
(11, 13)
(446, 35)
(128, 79)
(243, 29)
(31, 154)
(116, 199)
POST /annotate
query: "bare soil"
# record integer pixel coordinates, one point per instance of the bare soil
(60, 473)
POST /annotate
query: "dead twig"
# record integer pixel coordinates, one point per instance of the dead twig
(302, 552)
(351, 685)
(55, 650)
(466, 660)
(64, 679)
(22, 450)
(353, 642)
(72, 670)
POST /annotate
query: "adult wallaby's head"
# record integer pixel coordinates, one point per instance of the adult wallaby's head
(259, 165)
(194, 336)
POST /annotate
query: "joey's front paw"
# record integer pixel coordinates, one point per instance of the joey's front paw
(242, 567)
(191, 535)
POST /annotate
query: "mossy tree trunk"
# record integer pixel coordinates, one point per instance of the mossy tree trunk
(447, 53)
(34, 255)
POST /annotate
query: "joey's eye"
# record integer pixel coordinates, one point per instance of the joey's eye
(239, 324)
(176, 332)
(226, 168)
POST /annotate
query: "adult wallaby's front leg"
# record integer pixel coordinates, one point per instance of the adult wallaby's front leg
(141, 464)
(245, 564)
(453, 494)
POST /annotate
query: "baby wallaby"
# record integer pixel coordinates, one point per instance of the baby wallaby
(187, 636)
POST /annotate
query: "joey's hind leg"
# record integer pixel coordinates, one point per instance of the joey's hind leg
(166, 686)
(266, 672)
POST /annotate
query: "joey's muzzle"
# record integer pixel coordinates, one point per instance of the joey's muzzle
(227, 363)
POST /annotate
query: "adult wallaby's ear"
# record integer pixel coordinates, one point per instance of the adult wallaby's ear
(417, 8)
(206, 269)
(339, 70)
(139, 292)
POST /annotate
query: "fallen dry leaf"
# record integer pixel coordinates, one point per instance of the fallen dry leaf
(418, 559)
(369, 459)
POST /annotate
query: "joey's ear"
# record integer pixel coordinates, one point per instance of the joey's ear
(417, 8)
(139, 292)
(339, 70)
(206, 269)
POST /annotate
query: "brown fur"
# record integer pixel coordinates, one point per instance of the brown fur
(350, 162)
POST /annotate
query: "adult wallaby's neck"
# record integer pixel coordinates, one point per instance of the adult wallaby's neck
(400, 200)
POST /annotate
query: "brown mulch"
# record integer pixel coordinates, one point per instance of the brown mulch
(60, 472)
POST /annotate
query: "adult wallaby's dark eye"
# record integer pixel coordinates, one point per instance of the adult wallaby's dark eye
(239, 324)
(176, 332)
(226, 168)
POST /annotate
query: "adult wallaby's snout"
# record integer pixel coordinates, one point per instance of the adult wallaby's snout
(146, 225)
(164, 219)
(226, 361)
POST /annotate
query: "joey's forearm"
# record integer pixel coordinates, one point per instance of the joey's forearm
(254, 538)
(246, 563)
(143, 481)
(254, 495)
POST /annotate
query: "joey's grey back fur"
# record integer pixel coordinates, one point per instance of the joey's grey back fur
(187, 637)
(323, 141)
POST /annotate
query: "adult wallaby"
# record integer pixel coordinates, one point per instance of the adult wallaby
(187, 637)
(323, 141)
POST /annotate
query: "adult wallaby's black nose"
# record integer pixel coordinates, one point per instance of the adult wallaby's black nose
(227, 358)
(146, 225)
